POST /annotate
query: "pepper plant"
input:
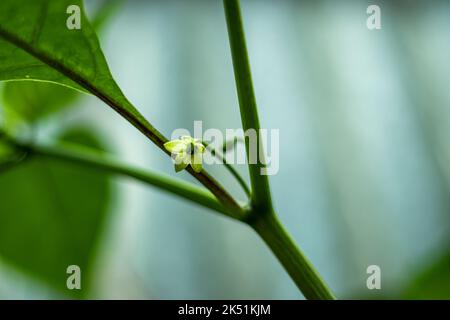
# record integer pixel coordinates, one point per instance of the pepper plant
(37, 46)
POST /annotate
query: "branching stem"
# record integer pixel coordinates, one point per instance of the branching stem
(261, 215)
(91, 159)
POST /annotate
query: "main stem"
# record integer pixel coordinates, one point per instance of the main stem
(292, 258)
(247, 102)
(261, 215)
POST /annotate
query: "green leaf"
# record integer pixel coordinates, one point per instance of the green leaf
(51, 216)
(32, 100)
(5, 150)
(433, 282)
(35, 44)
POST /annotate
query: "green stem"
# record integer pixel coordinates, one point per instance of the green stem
(260, 215)
(94, 160)
(234, 173)
(230, 169)
(247, 102)
(292, 258)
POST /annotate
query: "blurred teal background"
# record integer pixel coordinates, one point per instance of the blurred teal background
(364, 122)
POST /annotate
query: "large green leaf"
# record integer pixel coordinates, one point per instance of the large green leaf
(51, 216)
(32, 100)
(35, 44)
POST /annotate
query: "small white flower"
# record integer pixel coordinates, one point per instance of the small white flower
(186, 151)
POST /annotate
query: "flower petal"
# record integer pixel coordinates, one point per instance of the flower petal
(196, 162)
(181, 166)
(181, 160)
(182, 157)
(187, 139)
(175, 146)
(199, 147)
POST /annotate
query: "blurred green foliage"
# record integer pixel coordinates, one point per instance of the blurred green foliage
(43, 203)
(433, 282)
(31, 100)
(51, 212)
(51, 215)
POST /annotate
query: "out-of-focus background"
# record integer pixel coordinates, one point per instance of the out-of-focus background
(364, 175)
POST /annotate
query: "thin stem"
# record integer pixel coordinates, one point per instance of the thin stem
(292, 258)
(234, 173)
(247, 102)
(233, 142)
(94, 160)
(230, 168)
